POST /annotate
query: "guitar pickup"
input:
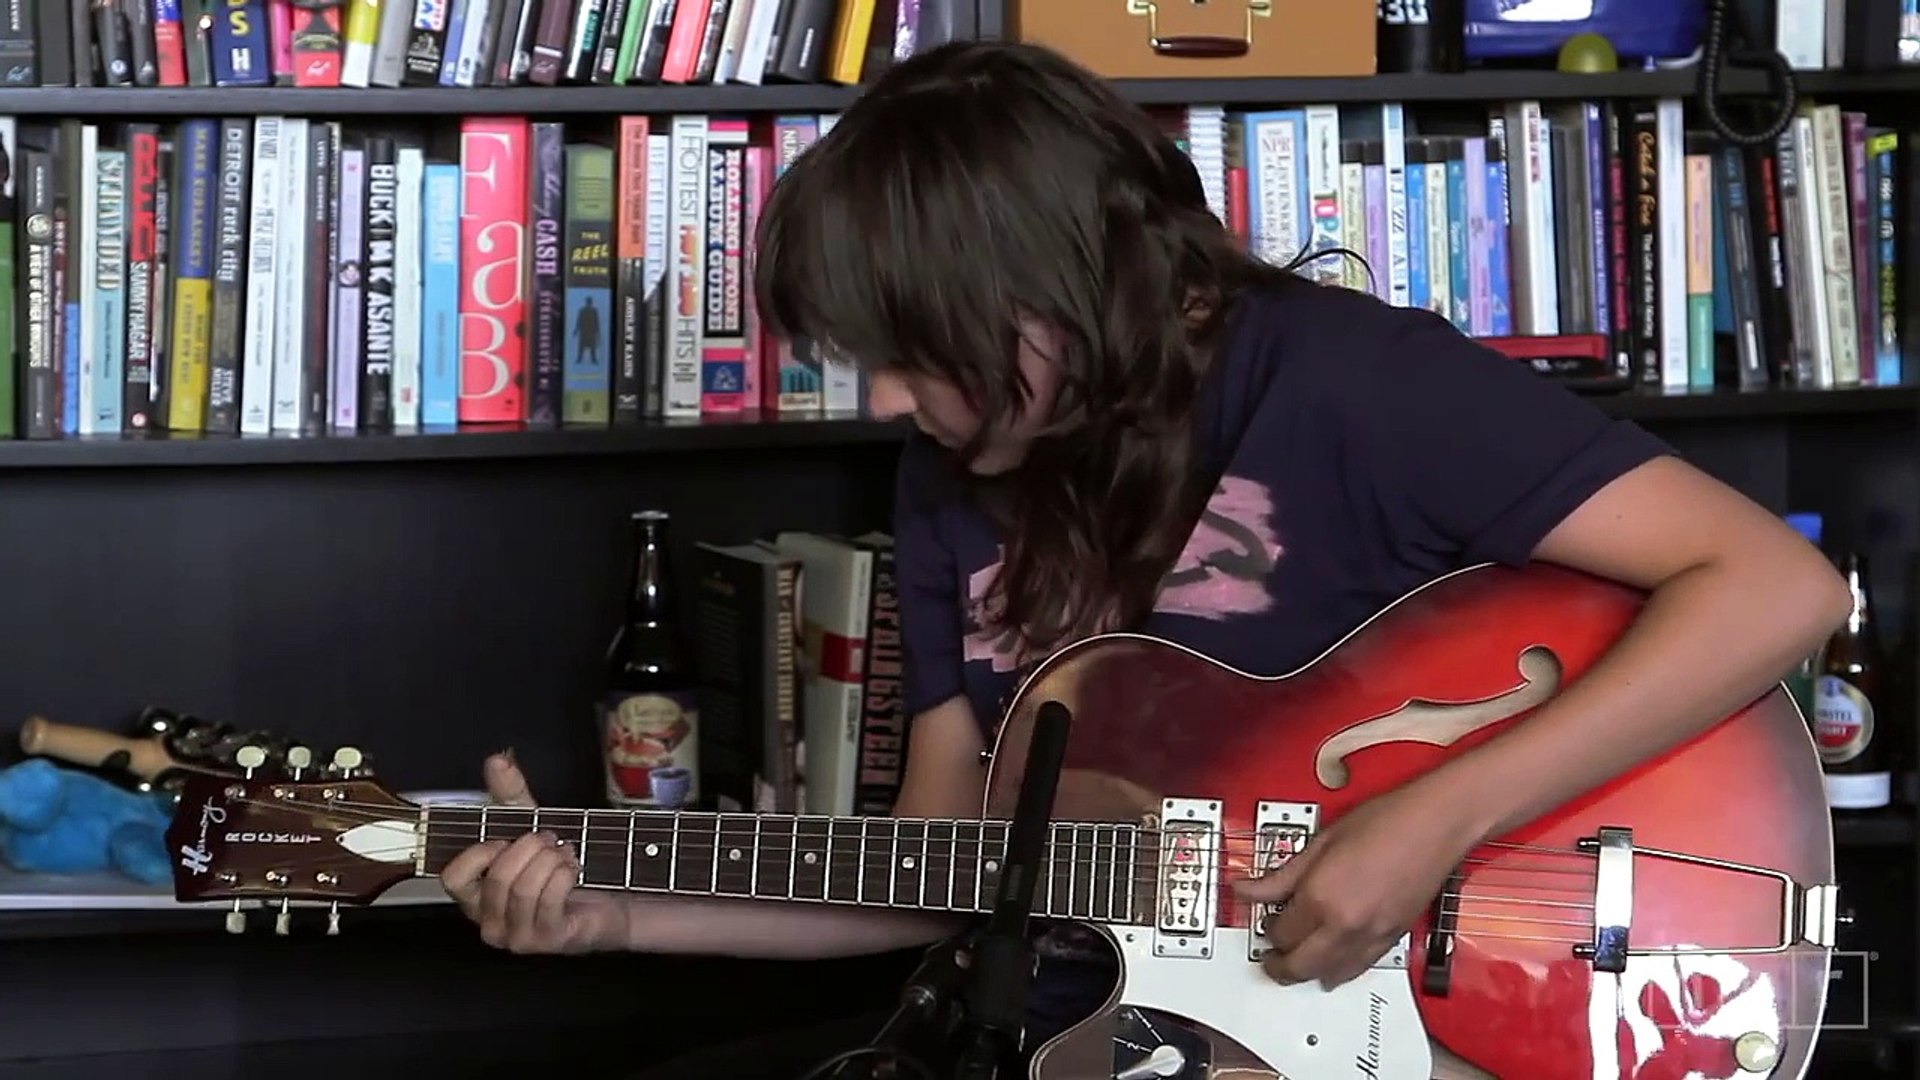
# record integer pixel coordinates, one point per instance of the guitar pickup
(1280, 830)
(1187, 884)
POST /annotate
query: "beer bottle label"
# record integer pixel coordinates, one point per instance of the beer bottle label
(1842, 720)
(650, 745)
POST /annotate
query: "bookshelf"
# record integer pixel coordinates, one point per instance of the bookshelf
(436, 595)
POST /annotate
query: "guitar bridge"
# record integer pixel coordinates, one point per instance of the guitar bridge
(1280, 830)
(1187, 886)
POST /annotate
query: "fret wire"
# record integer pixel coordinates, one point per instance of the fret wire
(793, 858)
(713, 884)
(483, 823)
(627, 880)
(753, 871)
(860, 867)
(673, 855)
(1073, 869)
(953, 860)
(921, 898)
(826, 867)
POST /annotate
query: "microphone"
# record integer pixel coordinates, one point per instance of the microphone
(1003, 959)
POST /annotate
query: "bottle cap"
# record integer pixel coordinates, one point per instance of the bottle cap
(1807, 525)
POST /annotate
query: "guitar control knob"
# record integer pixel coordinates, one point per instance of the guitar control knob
(249, 758)
(1756, 1052)
(299, 759)
(347, 759)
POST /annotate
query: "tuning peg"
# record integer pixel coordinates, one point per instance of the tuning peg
(347, 760)
(283, 920)
(333, 919)
(237, 919)
(249, 758)
(299, 760)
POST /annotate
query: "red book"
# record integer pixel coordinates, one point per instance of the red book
(493, 228)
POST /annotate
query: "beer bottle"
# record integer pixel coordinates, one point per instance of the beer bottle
(649, 713)
(1848, 704)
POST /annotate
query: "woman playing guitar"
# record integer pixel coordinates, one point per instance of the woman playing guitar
(1126, 421)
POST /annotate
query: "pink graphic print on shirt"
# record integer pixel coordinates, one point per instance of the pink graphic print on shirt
(1001, 648)
(1224, 569)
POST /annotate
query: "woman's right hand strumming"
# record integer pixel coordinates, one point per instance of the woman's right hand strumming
(523, 894)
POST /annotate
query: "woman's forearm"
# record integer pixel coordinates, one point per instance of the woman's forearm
(773, 930)
(1708, 641)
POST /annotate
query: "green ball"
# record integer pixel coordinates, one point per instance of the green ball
(1588, 53)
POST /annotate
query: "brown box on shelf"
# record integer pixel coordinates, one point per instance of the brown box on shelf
(1204, 39)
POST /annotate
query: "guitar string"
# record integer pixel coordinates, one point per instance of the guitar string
(863, 863)
(690, 842)
(743, 819)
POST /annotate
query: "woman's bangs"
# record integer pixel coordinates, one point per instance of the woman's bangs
(866, 246)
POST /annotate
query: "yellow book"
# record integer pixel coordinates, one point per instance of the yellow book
(848, 56)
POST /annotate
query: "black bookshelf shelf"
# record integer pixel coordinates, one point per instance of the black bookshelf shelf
(1479, 85)
(1761, 404)
(424, 101)
(748, 432)
(471, 442)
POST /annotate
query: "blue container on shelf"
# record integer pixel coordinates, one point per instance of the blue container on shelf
(1532, 29)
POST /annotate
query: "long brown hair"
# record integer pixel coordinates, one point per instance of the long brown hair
(981, 182)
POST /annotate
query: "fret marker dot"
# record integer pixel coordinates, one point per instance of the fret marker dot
(734, 855)
(809, 858)
(907, 863)
(652, 850)
(993, 866)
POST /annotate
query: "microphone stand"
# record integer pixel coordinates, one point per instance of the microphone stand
(927, 1007)
(1002, 962)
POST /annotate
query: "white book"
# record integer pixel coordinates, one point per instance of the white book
(1393, 152)
(686, 273)
(473, 32)
(410, 167)
(835, 603)
(1800, 33)
(753, 49)
(733, 39)
(1670, 151)
(1323, 191)
(1353, 224)
(263, 249)
(1836, 244)
(1533, 264)
(289, 361)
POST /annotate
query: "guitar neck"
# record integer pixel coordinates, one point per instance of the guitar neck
(1099, 871)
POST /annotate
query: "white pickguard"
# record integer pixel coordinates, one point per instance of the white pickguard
(1365, 1028)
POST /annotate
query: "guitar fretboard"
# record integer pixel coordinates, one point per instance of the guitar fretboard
(1099, 871)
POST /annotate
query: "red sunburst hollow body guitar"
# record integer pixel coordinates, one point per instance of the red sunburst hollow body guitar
(1675, 923)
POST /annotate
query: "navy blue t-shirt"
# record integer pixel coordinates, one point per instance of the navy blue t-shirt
(1361, 450)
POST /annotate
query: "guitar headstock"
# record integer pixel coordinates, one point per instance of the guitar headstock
(290, 834)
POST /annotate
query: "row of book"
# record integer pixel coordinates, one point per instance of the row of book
(798, 651)
(459, 43)
(1614, 242)
(284, 275)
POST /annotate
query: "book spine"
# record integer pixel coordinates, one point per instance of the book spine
(347, 330)
(493, 205)
(546, 293)
(630, 271)
(377, 346)
(263, 209)
(316, 282)
(589, 282)
(440, 295)
(723, 345)
(685, 286)
(408, 285)
(40, 382)
(240, 54)
(225, 343)
(192, 264)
